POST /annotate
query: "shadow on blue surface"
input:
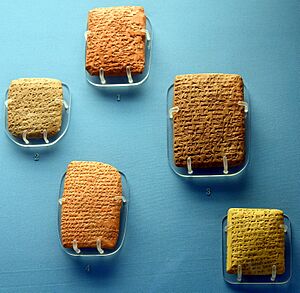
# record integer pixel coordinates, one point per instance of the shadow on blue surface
(116, 94)
(259, 289)
(95, 269)
(229, 187)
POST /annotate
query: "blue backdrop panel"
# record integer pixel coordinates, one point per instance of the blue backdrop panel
(174, 230)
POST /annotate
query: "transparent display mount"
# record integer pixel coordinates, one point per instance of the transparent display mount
(46, 141)
(130, 80)
(189, 171)
(98, 251)
(273, 278)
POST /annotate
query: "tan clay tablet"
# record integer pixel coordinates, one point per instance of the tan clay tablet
(255, 240)
(91, 205)
(116, 40)
(35, 106)
(210, 122)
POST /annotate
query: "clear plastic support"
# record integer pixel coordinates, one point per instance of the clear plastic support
(189, 165)
(86, 33)
(24, 134)
(239, 273)
(148, 38)
(285, 228)
(273, 277)
(226, 228)
(45, 136)
(100, 250)
(75, 247)
(65, 105)
(101, 76)
(225, 165)
(129, 76)
(245, 105)
(172, 111)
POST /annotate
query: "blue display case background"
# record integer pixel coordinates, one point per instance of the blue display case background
(174, 233)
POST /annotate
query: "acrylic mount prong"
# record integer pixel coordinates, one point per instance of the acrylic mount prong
(245, 105)
(189, 165)
(239, 273)
(148, 38)
(99, 248)
(45, 136)
(227, 227)
(86, 34)
(101, 76)
(24, 137)
(285, 228)
(274, 271)
(75, 247)
(128, 73)
(172, 111)
(66, 106)
(225, 165)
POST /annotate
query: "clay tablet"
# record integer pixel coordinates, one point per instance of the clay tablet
(91, 205)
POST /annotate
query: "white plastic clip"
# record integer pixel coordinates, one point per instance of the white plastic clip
(6, 104)
(24, 137)
(148, 38)
(285, 228)
(65, 105)
(45, 136)
(86, 35)
(225, 165)
(273, 277)
(189, 165)
(101, 76)
(60, 201)
(244, 104)
(124, 199)
(75, 247)
(100, 250)
(226, 228)
(239, 273)
(172, 111)
(129, 76)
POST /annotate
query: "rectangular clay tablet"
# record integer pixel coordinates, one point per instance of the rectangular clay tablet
(116, 40)
(210, 122)
(35, 106)
(91, 205)
(255, 240)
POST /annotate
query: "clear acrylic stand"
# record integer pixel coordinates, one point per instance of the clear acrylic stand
(190, 171)
(45, 141)
(273, 278)
(103, 81)
(98, 251)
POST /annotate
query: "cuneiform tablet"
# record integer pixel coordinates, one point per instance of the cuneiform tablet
(116, 40)
(91, 205)
(35, 106)
(255, 240)
(210, 123)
